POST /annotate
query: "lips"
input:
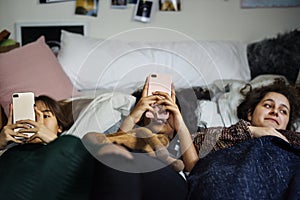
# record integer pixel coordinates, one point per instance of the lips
(271, 119)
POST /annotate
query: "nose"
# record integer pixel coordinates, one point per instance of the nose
(274, 112)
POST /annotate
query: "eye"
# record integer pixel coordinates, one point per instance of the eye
(46, 116)
(285, 112)
(266, 105)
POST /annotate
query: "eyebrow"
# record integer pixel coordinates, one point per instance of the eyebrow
(274, 102)
(47, 110)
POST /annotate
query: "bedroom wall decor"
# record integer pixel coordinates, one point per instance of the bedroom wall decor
(87, 7)
(29, 32)
(54, 1)
(132, 1)
(269, 3)
(169, 5)
(118, 3)
(143, 10)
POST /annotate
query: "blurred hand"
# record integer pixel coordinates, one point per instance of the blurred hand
(144, 104)
(8, 133)
(41, 133)
(265, 131)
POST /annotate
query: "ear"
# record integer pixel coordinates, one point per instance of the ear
(249, 117)
(59, 130)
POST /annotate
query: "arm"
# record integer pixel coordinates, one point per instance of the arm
(264, 131)
(223, 137)
(216, 138)
(189, 153)
(292, 136)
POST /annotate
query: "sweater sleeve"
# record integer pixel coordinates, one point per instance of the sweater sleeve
(292, 136)
(216, 138)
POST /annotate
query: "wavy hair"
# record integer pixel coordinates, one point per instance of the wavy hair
(254, 96)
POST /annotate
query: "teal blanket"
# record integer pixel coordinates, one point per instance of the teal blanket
(60, 170)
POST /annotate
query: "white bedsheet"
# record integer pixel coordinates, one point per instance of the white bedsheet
(103, 112)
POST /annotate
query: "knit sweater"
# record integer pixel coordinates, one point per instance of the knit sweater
(216, 138)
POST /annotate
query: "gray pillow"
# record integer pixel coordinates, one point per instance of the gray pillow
(279, 55)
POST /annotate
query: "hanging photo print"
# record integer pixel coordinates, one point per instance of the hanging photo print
(118, 3)
(169, 5)
(269, 3)
(132, 1)
(87, 7)
(143, 10)
(54, 1)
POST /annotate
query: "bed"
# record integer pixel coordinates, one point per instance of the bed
(94, 78)
(207, 74)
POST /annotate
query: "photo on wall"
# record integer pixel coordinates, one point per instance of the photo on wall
(118, 3)
(87, 7)
(54, 1)
(131, 1)
(269, 3)
(169, 5)
(143, 10)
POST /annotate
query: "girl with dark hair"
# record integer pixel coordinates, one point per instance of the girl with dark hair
(256, 158)
(123, 172)
(50, 123)
(46, 165)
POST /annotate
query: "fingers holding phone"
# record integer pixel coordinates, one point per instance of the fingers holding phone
(159, 84)
(9, 132)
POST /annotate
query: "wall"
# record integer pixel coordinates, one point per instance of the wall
(199, 19)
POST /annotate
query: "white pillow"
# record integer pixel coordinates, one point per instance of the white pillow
(199, 63)
(111, 64)
(229, 101)
(95, 63)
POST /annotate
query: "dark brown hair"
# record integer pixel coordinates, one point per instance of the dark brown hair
(56, 110)
(254, 96)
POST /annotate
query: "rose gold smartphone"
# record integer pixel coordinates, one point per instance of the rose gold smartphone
(159, 82)
(23, 107)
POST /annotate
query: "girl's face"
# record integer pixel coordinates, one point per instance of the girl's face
(159, 127)
(272, 111)
(49, 118)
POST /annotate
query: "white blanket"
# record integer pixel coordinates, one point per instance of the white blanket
(102, 113)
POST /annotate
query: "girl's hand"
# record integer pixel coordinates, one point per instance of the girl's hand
(175, 119)
(144, 104)
(8, 134)
(40, 132)
(264, 131)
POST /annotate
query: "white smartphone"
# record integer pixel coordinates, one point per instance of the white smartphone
(23, 107)
(163, 83)
(143, 10)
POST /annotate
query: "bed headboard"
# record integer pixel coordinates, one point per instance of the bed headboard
(27, 32)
